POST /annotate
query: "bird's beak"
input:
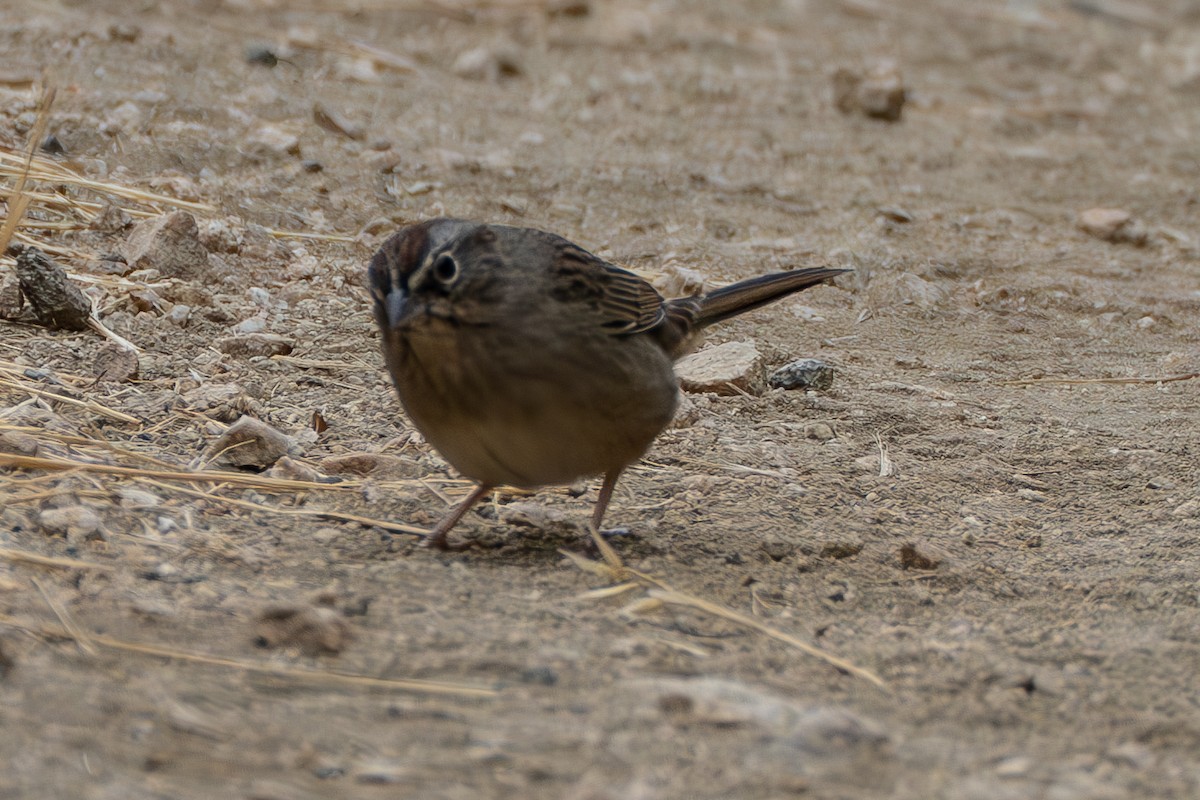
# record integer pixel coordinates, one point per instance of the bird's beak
(397, 304)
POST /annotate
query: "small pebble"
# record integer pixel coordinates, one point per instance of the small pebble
(803, 373)
(261, 55)
(879, 93)
(289, 469)
(819, 431)
(1113, 225)
(1032, 495)
(252, 325)
(540, 676)
(338, 123)
(274, 141)
(137, 498)
(777, 549)
(124, 32)
(249, 345)
(679, 281)
(77, 523)
(913, 558)
(483, 63)
(115, 363)
(1188, 508)
(180, 314)
(56, 300)
(906, 288)
(170, 244)
(313, 629)
(249, 442)
(841, 549)
(222, 401)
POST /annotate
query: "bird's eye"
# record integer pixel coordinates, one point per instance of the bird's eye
(445, 269)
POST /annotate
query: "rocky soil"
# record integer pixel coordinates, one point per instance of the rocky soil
(994, 507)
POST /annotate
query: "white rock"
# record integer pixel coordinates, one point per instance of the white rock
(271, 139)
(74, 522)
(1113, 225)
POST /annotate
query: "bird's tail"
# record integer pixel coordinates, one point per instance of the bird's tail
(729, 301)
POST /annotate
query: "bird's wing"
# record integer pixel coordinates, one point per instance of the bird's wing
(623, 302)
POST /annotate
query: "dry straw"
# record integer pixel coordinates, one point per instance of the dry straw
(324, 677)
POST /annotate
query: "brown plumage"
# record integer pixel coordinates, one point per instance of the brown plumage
(528, 361)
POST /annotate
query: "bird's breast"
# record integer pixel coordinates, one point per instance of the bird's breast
(513, 406)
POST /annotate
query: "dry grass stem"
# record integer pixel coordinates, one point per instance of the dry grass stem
(85, 441)
(310, 363)
(82, 641)
(25, 557)
(1085, 381)
(296, 512)
(659, 593)
(99, 327)
(90, 405)
(672, 597)
(17, 371)
(51, 171)
(321, 237)
(605, 592)
(886, 467)
(18, 200)
(236, 478)
(611, 559)
(306, 675)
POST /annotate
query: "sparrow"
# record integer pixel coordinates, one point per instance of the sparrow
(527, 361)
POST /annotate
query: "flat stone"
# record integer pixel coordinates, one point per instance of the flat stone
(723, 369)
(249, 442)
(170, 244)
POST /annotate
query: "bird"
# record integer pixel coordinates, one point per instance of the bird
(527, 361)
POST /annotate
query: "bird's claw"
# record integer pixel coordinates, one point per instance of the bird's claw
(440, 540)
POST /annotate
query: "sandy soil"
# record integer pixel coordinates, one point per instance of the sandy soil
(1021, 573)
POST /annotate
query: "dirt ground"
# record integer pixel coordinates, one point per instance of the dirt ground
(984, 511)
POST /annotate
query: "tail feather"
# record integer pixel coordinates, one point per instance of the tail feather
(729, 301)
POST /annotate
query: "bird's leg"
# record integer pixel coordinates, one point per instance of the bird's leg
(438, 538)
(611, 558)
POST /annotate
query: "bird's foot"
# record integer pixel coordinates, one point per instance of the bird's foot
(616, 533)
(440, 540)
